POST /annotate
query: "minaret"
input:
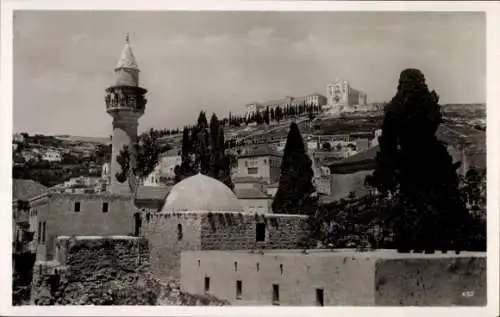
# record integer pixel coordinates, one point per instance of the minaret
(125, 102)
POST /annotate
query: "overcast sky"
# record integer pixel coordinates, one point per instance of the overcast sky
(219, 61)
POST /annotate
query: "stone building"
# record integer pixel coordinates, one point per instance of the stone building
(313, 99)
(63, 214)
(22, 232)
(262, 162)
(201, 213)
(254, 200)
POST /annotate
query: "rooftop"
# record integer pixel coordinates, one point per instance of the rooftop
(25, 189)
(248, 179)
(250, 193)
(361, 161)
(201, 193)
(127, 58)
(260, 150)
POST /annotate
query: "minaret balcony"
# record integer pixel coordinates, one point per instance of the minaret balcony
(125, 99)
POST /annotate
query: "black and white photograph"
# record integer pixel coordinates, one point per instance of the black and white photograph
(255, 158)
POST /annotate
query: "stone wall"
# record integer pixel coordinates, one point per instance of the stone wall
(214, 231)
(431, 282)
(256, 205)
(225, 231)
(161, 231)
(96, 270)
(106, 271)
(346, 277)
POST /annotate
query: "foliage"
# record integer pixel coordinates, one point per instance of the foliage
(295, 191)
(207, 145)
(361, 222)
(147, 149)
(416, 167)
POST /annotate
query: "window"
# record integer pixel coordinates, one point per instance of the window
(239, 287)
(44, 232)
(236, 266)
(179, 232)
(253, 170)
(319, 297)
(77, 206)
(276, 294)
(207, 284)
(260, 234)
(281, 269)
(265, 161)
(258, 266)
(105, 207)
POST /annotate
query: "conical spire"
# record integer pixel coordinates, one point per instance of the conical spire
(127, 59)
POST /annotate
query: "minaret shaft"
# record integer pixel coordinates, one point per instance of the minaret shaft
(126, 103)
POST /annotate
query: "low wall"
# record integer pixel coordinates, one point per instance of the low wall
(95, 270)
(345, 278)
(431, 281)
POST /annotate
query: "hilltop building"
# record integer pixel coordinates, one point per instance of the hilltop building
(341, 93)
(314, 99)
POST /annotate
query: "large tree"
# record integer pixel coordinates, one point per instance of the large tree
(414, 167)
(295, 190)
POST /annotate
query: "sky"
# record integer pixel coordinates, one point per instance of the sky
(220, 61)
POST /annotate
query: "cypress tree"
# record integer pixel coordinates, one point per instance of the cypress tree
(215, 147)
(415, 167)
(295, 190)
(258, 117)
(186, 168)
(266, 116)
(201, 141)
(224, 162)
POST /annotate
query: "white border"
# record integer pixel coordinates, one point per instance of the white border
(492, 8)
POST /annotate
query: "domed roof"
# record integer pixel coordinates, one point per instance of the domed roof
(201, 193)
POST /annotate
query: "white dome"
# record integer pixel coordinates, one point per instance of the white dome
(201, 193)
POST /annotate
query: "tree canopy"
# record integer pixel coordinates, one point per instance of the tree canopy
(295, 190)
(414, 166)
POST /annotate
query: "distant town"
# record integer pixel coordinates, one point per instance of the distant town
(336, 136)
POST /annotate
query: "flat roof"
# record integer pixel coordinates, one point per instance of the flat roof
(379, 254)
